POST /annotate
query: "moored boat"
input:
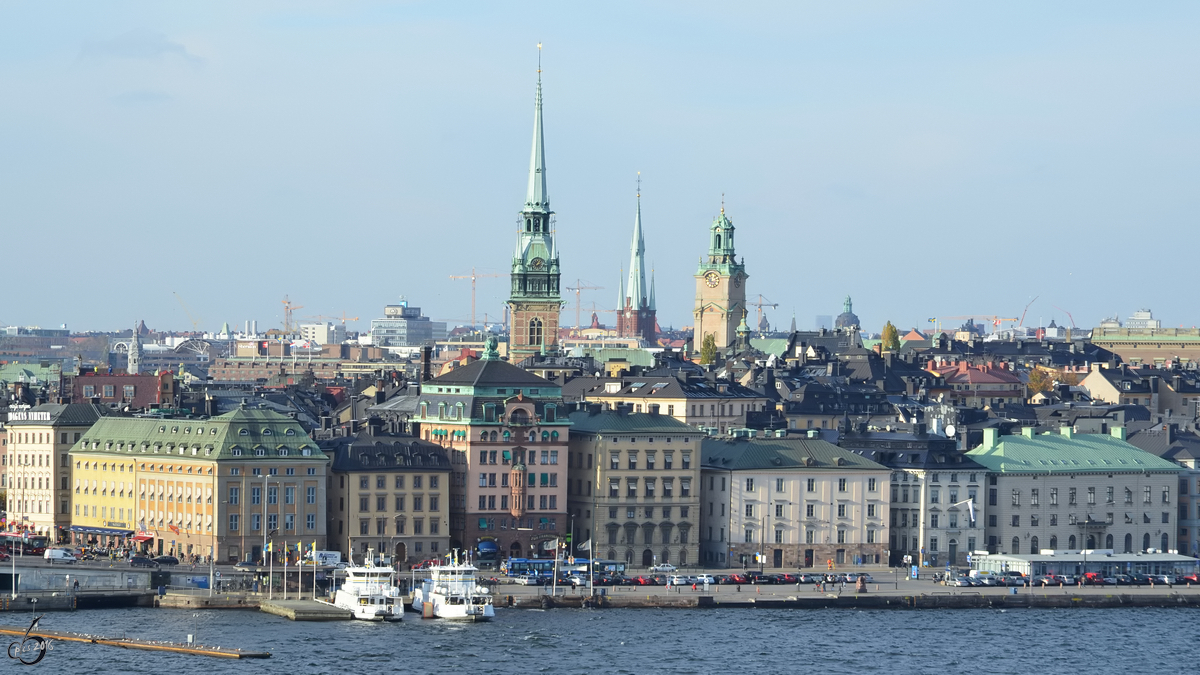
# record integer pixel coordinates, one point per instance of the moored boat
(452, 591)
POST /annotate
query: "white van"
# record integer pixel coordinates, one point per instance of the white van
(62, 555)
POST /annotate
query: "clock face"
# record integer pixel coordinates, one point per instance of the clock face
(712, 279)
(537, 263)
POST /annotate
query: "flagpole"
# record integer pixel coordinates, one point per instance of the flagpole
(270, 572)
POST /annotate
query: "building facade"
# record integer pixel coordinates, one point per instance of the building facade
(505, 431)
(535, 300)
(790, 503)
(137, 391)
(695, 401)
(37, 464)
(1072, 492)
(230, 484)
(720, 288)
(634, 486)
(403, 326)
(390, 493)
(636, 314)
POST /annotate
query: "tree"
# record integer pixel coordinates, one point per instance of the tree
(1039, 381)
(1069, 379)
(708, 349)
(891, 338)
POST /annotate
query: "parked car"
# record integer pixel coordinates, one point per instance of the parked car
(663, 568)
(854, 576)
(168, 560)
(705, 579)
(577, 580)
(1190, 579)
(805, 579)
(139, 561)
(1068, 579)
(58, 555)
(990, 580)
(1123, 579)
(1164, 579)
(246, 564)
(528, 580)
(3, 556)
(678, 580)
(644, 581)
(961, 582)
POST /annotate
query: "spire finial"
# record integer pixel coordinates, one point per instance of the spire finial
(639, 184)
(722, 203)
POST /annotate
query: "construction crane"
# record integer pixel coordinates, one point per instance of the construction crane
(473, 276)
(762, 302)
(580, 285)
(194, 320)
(288, 308)
(343, 318)
(992, 318)
(1068, 314)
(1027, 309)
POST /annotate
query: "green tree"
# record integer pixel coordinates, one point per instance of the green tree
(891, 338)
(708, 349)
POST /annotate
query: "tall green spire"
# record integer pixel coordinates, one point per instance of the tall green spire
(635, 290)
(536, 197)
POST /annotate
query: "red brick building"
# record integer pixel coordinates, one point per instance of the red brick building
(141, 391)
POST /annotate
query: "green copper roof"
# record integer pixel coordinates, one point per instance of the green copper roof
(240, 434)
(780, 453)
(1080, 453)
(536, 197)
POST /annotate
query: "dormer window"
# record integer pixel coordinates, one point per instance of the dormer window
(290, 432)
(266, 432)
(243, 432)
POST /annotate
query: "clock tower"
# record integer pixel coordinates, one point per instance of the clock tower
(720, 288)
(535, 300)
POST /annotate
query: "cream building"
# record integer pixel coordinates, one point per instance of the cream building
(1072, 492)
(37, 466)
(633, 488)
(795, 502)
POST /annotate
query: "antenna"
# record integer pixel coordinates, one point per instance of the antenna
(539, 60)
(639, 184)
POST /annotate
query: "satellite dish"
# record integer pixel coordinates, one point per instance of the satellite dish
(950, 430)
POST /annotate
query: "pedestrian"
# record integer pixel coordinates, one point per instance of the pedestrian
(693, 588)
(76, 585)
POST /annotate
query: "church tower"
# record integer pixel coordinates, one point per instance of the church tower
(134, 364)
(635, 309)
(535, 300)
(720, 288)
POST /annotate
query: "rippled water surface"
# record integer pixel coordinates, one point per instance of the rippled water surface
(648, 641)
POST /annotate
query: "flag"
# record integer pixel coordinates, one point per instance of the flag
(585, 546)
(932, 320)
(971, 508)
(269, 545)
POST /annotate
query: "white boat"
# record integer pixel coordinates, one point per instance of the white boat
(370, 593)
(452, 592)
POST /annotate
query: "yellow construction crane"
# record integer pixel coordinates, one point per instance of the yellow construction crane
(473, 276)
(989, 318)
(288, 308)
(762, 302)
(343, 318)
(580, 285)
(194, 320)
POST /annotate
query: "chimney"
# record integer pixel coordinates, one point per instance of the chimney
(426, 363)
(652, 408)
(1172, 432)
(919, 429)
(990, 436)
(1118, 433)
(1027, 432)
(380, 394)
(1069, 432)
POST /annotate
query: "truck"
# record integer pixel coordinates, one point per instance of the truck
(323, 557)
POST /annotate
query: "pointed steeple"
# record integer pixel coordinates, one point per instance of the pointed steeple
(133, 365)
(793, 321)
(652, 305)
(621, 291)
(636, 288)
(536, 197)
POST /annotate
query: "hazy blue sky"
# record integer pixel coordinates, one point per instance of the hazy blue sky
(928, 158)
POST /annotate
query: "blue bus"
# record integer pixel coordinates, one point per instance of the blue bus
(522, 567)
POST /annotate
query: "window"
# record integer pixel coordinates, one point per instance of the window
(1053, 496)
(364, 504)
(871, 487)
(399, 482)
(1128, 496)
(811, 485)
(234, 495)
(1016, 520)
(749, 536)
(934, 495)
(779, 510)
(1091, 496)
(614, 487)
(1166, 516)
(668, 460)
(1109, 496)
(1016, 497)
(1146, 494)
(615, 461)
(632, 460)
(749, 510)
(399, 502)
(289, 495)
(841, 485)
(1166, 496)
(233, 522)
(310, 521)
(631, 487)
(870, 510)
(809, 510)
(1033, 497)
(364, 482)
(749, 485)
(1071, 499)
(841, 536)
(841, 510)
(779, 485)
(685, 487)
(687, 460)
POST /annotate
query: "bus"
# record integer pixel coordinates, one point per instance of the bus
(609, 566)
(23, 543)
(523, 567)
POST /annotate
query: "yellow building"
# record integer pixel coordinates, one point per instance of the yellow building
(191, 486)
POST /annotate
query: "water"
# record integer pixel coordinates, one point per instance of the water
(658, 641)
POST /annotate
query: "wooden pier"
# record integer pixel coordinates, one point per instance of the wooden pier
(131, 643)
(304, 610)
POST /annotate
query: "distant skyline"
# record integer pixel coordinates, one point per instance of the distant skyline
(926, 158)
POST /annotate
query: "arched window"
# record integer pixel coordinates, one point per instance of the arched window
(535, 331)
(1016, 545)
(1128, 543)
(1091, 541)
(1108, 542)
(1146, 541)
(718, 241)
(483, 435)
(1166, 542)
(492, 437)
(1071, 543)
(1053, 542)
(1033, 546)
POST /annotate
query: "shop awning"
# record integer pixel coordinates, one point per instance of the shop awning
(145, 536)
(112, 531)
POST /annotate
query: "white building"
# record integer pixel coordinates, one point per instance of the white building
(794, 502)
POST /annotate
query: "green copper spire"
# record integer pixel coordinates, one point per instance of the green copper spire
(635, 290)
(536, 198)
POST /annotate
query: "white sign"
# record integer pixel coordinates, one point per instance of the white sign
(29, 416)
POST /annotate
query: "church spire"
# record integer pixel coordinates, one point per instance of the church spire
(636, 288)
(536, 198)
(652, 307)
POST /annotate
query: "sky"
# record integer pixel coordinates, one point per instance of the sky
(929, 159)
